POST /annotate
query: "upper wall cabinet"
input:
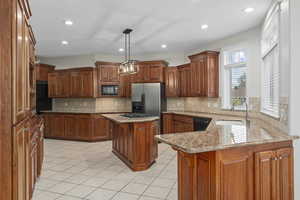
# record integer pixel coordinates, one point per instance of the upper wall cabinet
(107, 72)
(23, 75)
(75, 83)
(184, 72)
(42, 71)
(205, 74)
(150, 72)
(172, 81)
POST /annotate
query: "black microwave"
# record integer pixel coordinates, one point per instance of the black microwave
(109, 90)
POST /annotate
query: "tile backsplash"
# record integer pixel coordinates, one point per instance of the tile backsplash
(92, 104)
(214, 106)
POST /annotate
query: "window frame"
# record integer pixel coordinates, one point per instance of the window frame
(272, 113)
(227, 76)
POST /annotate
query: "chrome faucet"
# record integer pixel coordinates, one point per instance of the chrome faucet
(244, 100)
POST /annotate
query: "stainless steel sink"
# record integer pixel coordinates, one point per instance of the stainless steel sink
(230, 122)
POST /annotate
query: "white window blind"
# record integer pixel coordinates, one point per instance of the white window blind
(270, 67)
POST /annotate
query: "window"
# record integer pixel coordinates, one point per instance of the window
(270, 66)
(235, 79)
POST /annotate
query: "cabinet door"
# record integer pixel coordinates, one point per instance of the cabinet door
(155, 73)
(265, 176)
(52, 85)
(102, 129)
(171, 79)
(57, 126)
(19, 159)
(286, 173)
(87, 83)
(75, 84)
(84, 126)
(40, 152)
(212, 76)
(19, 73)
(63, 84)
(71, 131)
(168, 126)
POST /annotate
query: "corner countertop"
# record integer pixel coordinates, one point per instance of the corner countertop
(120, 119)
(219, 137)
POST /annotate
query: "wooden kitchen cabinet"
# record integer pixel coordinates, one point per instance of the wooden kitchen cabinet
(102, 128)
(168, 123)
(82, 127)
(42, 71)
(125, 86)
(134, 143)
(59, 84)
(172, 82)
(260, 172)
(150, 72)
(185, 80)
(173, 123)
(108, 72)
(20, 132)
(274, 174)
(205, 74)
(83, 82)
(79, 82)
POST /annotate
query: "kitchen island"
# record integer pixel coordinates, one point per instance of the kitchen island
(233, 161)
(133, 140)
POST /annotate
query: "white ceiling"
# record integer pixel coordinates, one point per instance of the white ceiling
(98, 24)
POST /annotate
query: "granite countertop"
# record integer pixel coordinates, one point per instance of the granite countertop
(219, 137)
(77, 112)
(120, 119)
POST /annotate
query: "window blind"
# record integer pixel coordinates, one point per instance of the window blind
(270, 67)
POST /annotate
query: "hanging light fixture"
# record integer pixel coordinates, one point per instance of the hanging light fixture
(128, 66)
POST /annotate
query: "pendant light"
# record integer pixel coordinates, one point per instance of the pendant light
(128, 66)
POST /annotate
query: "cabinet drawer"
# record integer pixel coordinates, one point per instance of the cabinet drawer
(182, 118)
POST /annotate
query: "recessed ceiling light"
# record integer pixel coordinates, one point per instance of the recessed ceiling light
(248, 10)
(204, 26)
(64, 42)
(121, 49)
(163, 46)
(68, 23)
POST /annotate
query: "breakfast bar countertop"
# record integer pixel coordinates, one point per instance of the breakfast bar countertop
(219, 137)
(121, 119)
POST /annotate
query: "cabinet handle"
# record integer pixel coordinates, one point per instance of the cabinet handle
(275, 158)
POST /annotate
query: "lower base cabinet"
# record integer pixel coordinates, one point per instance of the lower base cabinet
(81, 127)
(27, 156)
(261, 172)
(135, 144)
(173, 123)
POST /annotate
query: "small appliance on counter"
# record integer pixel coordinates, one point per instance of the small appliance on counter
(43, 102)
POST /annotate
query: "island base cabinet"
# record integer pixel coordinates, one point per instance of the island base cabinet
(262, 172)
(135, 144)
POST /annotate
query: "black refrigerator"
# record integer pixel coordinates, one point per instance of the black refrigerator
(43, 102)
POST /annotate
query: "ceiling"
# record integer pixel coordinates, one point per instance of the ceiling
(98, 24)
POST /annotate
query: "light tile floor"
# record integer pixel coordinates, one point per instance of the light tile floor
(89, 171)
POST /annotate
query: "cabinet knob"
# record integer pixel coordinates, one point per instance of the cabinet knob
(280, 158)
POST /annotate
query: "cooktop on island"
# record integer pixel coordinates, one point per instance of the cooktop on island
(137, 115)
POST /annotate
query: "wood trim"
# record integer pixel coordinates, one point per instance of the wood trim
(204, 53)
(76, 69)
(154, 62)
(97, 63)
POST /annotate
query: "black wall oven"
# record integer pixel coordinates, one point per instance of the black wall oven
(43, 102)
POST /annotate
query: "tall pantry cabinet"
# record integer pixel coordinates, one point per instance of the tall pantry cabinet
(21, 130)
